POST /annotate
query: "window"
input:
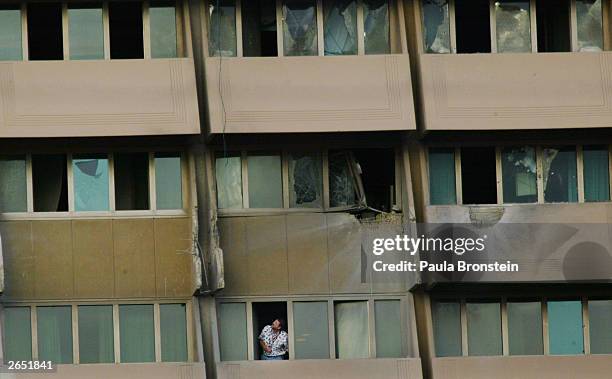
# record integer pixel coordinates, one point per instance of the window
(519, 175)
(91, 186)
(173, 332)
(565, 327)
(436, 26)
(305, 181)
(45, 40)
(228, 172)
(162, 15)
(131, 181)
(377, 168)
(446, 328)
(340, 27)
(596, 173)
(352, 332)
(54, 328)
(265, 313)
(600, 326)
(126, 30)
(86, 31)
(311, 329)
(50, 183)
(341, 183)
(137, 333)
(96, 334)
(388, 328)
(560, 183)
(553, 20)
(473, 28)
(589, 21)
(442, 176)
(259, 32)
(484, 329)
(513, 26)
(222, 28)
(10, 33)
(265, 181)
(17, 330)
(525, 328)
(13, 192)
(478, 175)
(300, 27)
(168, 181)
(376, 26)
(233, 331)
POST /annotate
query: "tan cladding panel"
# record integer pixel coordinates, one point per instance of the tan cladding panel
(516, 91)
(98, 259)
(310, 94)
(164, 370)
(98, 98)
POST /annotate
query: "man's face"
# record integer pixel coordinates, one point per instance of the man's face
(276, 325)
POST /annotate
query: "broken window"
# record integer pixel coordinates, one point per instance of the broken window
(553, 20)
(13, 193)
(91, 189)
(264, 314)
(341, 182)
(173, 332)
(311, 329)
(126, 29)
(376, 26)
(50, 183)
(300, 27)
(436, 26)
(228, 172)
(96, 336)
(442, 190)
(259, 28)
(478, 175)
(589, 28)
(45, 39)
(54, 330)
(519, 175)
(168, 181)
(137, 332)
(565, 328)
(131, 181)
(340, 23)
(596, 173)
(265, 181)
(86, 31)
(484, 328)
(222, 28)
(10, 33)
(162, 16)
(525, 328)
(559, 173)
(600, 326)
(233, 343)
(305, 181)
(388, 328)
(446, 322)
(17, 334)
(473, 29)
(376, 171)
(513, 26)
(352, 330)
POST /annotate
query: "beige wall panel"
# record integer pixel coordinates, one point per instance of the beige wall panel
(121, 371)
(54, 272)
(18, 259)
(232, 231)
(93, 258)
(98, 98)
(352, 93)
(134, 253)
(307, 254)
(516, 91)
(267, 255)
(173, 257)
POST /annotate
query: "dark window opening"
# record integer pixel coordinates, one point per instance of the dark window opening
(125, 22)
(473, 26)
(132, 181)
(45, 39)
(478, 175)
(50, 181)
(378, 177)
(264, 314)
(259, 28)
(553, 20)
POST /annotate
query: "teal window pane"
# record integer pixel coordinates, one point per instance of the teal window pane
(600, 326)
(352, 332)
(519, 175)
(228, 172)
(376, 26)
(305, 181)
(17, 330)
(10, 33)
(13, 192)
(300, 27)
(311, 329)
(90, 183)
(560, 183)
(96, 334)
(565, 327)
(222, 28)
(173, 325)
(596, 173)
(136, 329)
(388, 323)
(340, 23)
(233, 331)
(589, 22)
(54, 334)
(163, 29)
(86, 31)
(436, 26)
(168, 181)
(484, 329)
(131, 173)
(265, 181)
(525, 328)
(447, 329)
(442, 177)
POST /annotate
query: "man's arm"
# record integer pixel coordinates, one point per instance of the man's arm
(264, 346)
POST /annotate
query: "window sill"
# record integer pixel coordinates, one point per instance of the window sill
(93, 215)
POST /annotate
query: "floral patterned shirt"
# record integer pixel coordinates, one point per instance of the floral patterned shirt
(276, 341)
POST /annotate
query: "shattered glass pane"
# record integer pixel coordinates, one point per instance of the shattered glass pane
(376, 26)
(340, 22)
(519, 175)
(222, 28)
(341, 184)
(90, 183)
(300, 28)
(305, 181)
(560, 182)
(436, 26)
(513, 26)
(228, 171)
(589, 20)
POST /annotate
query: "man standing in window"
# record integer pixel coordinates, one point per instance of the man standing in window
(273, 340)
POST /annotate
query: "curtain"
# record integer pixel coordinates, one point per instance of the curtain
(442, 177)
(173, 326)
(596, 175)
(17, 334)
(136, 329)
(96, 334)
(311, 330)
(54, 334)
(388, 329)
(352, 333)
